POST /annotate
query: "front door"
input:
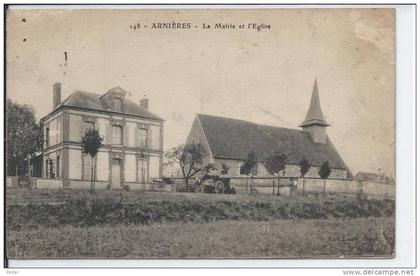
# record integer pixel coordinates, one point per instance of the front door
(116, 173)
(142, 171)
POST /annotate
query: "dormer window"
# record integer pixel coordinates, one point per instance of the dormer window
(117, 105)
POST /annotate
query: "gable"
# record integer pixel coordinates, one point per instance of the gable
(234, 139)
(196, 135)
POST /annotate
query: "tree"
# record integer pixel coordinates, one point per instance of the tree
(324, 172)
(189, 158)
(275, 163)
(249, 166)
(24, 136)
(91, 143)
(304, 168)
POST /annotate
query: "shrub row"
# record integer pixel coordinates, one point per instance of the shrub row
(87, 211)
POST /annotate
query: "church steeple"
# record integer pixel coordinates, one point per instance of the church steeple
(314, 122)
(314, 115)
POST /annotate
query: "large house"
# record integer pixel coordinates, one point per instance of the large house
(229, 141)
(132, 150)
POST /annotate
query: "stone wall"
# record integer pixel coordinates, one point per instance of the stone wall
(85, 185)
(43, 183)
(313, 186)
(290, 171)
(12, 181)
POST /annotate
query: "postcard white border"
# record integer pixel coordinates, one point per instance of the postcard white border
(405, 176)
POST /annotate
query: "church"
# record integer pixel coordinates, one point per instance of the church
(229, 141)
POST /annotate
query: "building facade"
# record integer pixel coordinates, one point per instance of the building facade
(229, 141)
(132, 151)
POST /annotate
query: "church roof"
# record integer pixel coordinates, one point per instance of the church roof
(234, 139)
(314, 115)
(87, 100)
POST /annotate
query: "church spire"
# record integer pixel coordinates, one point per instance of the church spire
(314, 115)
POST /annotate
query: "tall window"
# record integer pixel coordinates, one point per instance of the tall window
(117, 135)
(58, 166)
(142, 137)
(47, 137)
(89, 125)
(59, 130)
(87, 169)
(117, 105)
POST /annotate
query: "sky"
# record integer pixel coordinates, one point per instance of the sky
(260, 76)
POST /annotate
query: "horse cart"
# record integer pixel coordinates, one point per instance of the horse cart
(214, 184)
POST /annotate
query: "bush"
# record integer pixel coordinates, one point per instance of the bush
(87, 211)
(191, 189)
(363, 237)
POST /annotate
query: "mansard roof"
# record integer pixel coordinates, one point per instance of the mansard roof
(93, 101)
(234, 139)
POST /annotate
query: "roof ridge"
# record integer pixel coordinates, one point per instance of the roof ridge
(94, 101)
(234, 138)
(249, 122)
(78, 91)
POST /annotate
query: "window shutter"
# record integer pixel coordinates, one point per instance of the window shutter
(125, 135)
(150, 138)
(136, 137)
(81, 130)
(56, 131)
(108, 135)
(60, 129)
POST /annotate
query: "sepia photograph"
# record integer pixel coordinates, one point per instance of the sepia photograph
(205, 133)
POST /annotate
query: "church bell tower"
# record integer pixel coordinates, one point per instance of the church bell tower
(314, 122)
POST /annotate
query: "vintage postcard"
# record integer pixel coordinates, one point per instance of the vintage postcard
(204, 133)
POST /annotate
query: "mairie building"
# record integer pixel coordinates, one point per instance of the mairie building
(132, 150)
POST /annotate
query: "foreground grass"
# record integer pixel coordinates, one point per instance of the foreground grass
(361, 237)
(110, 208)
(120, 224)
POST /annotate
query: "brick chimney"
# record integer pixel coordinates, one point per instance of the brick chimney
(144, 103)
(56, 94)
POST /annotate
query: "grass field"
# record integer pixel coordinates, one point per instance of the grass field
(109, 224)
